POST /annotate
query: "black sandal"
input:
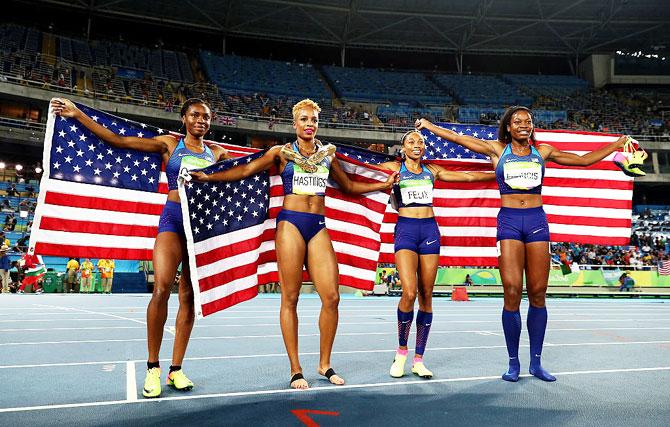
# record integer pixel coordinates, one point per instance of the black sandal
(294, 378)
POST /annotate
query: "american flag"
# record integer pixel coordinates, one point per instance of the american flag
(95, 200)
(231, 229)
(583, 205)
(664, 268)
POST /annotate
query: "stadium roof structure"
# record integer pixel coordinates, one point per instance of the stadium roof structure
(546, 27)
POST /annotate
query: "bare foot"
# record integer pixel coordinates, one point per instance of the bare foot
(332, 376)
(298, 382)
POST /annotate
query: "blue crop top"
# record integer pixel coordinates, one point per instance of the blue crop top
(298, 181)
(414, 189)
(182, 157)
(520, 174)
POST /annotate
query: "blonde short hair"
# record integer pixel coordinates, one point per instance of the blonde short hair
(305, 103)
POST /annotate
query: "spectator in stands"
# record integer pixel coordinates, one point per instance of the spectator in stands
(10, 222)
(12, 191)
(523, 231)
(31, 190)
(301, 230)
(6, 207)
(86, 276)
(71, 279)
(4, 267)
(627, 282)
(24, 205)
(22, 243)
(106, 269)
(380, 148)
(14, 275)
(170, 247)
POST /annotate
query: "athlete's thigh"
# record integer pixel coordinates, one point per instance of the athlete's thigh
(322, 262)
(291, 251)
(427, 272)
(538, 260)
(168, 253)
(407, 264)
(511, 262)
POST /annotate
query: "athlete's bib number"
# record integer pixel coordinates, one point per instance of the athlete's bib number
(415, 191)
(310, 183)
(192, 162)
(522, 175)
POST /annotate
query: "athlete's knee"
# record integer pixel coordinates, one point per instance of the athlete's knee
(330, 300)
(512, 298)
(290, 299)
(537, 299)
(161, 293)
(409, 295)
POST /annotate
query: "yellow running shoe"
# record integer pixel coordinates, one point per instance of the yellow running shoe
(398, 366)
(418, 368)
(178, 380)
(152, 383)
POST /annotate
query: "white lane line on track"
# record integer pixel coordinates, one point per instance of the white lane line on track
(102, 314)
(131, 382)
(376, 322)
(343, 308)
(441, 316)
(334, 388)
(393, 333)
(270, 355)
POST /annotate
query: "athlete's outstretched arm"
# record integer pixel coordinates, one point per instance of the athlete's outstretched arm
(66, 108)
(242, 171)
(481, 146)
(443, 174)
(355, 187)
(570, 159)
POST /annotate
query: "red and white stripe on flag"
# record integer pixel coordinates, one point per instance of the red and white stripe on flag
(77, 219)
(583, 204)
(664, 268)
(229, 267)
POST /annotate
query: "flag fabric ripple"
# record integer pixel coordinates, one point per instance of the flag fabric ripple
(230, 231)
(583, 204)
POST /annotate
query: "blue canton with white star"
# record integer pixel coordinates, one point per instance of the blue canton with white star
(78, 155)
(221, 207)
(438, 148)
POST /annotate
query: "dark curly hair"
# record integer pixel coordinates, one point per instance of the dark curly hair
(504, 135)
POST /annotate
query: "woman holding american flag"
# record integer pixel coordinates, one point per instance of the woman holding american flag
(523, 230)
(170, 246)
(417, 244)
(301, 237)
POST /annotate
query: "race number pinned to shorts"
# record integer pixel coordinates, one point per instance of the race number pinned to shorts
(522, 175)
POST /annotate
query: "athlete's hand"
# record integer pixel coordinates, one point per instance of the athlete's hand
(623, 139)
(64, 107)
(392, 179)
(199, 176)
(421, 124)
